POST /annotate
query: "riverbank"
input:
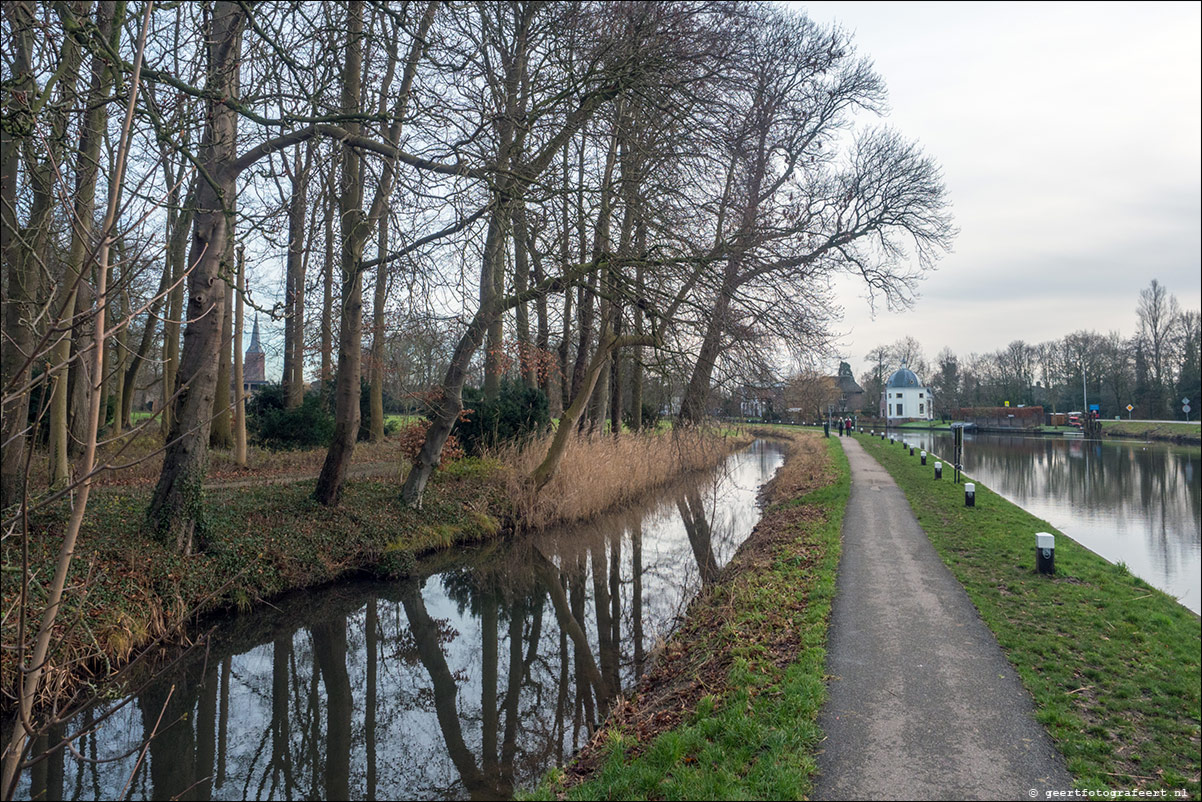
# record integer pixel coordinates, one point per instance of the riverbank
(1112, 663)
(1144, 431)
(126, 593)
(729, 708)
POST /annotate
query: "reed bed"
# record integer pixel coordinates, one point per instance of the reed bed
(600, 473)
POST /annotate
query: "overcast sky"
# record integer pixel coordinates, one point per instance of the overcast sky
(1069, 136)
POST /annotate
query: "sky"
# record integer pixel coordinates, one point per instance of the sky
(1069, 137)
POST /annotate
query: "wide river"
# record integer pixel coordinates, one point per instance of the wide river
(468, 681)
(1131, 502)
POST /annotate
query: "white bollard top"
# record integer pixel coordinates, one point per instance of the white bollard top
(969, 487)
(938, 464)
(924, 453)
(1043, 540)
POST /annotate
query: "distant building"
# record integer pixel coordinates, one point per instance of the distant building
(763, 402)
(905, 398)
(852, 394)
(254, 364)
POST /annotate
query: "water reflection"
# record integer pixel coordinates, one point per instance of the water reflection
(1131, 502)
(466, 682)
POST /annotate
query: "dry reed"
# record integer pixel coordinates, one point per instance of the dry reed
(601, 473)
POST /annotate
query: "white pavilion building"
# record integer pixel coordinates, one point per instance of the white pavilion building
(905, 398)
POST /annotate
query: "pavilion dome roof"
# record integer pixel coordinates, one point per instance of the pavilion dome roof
(903, 377)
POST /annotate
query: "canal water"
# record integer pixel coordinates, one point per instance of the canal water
(1131, 502)
(469, 681)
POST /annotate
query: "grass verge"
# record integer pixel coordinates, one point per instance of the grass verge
(729, 709)
(1177, 432)
(1112, 663)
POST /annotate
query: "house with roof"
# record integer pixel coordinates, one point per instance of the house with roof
(851, 393)
(905, 397)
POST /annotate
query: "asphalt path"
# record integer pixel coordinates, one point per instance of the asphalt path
(922, 703)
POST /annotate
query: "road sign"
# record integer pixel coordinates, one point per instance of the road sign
(1093, 407)
(1185, 400)
(1185, 408)
(1129, 407)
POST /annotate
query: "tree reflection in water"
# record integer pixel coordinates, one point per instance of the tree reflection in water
(465, 682)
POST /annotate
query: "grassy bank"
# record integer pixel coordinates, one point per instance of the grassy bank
(729, 709)
(265, 535)
(1175, 432)
(1112, 663)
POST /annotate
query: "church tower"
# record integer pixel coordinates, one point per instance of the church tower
(255, 363)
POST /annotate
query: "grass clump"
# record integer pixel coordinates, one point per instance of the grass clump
(1112, 663)
(729, 709)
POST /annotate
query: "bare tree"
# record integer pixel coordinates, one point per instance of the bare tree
(1158, 312)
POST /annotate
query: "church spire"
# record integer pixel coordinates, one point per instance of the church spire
(255, 348)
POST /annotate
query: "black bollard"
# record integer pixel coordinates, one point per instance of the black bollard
(1045, 553)
(970, 494)
(938, 470)
(911, 451)
(924, 457)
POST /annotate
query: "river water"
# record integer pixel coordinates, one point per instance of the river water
(1131, 502)
(468, 681)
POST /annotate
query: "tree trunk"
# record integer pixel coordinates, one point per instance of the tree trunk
(521, 277)
(176, 509)
(22, 284)
(376, 378)
(327, 297)
(492, 285)
(542, 341)
(693, 404)
(294, 327)
(350, 330)
(222, 434)
(175, 311)
(91, 136)
(239, 384)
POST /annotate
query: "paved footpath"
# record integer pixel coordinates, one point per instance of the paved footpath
(922, 703)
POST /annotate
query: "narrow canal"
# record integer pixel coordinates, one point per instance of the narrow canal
(468, 681)
(1131, 502)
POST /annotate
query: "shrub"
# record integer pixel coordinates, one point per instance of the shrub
(518, 411)
(650, 417)
(413, 436)
(271, 426)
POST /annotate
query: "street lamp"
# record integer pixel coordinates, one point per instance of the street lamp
(1084, 397)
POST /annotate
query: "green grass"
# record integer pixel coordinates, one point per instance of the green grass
(1162, 430)
(1112, 663)
(754, 736)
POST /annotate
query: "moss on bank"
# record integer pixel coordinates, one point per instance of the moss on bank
(729, 709)
(1112, 663)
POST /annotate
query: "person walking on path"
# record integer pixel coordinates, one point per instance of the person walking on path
(922, 703)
